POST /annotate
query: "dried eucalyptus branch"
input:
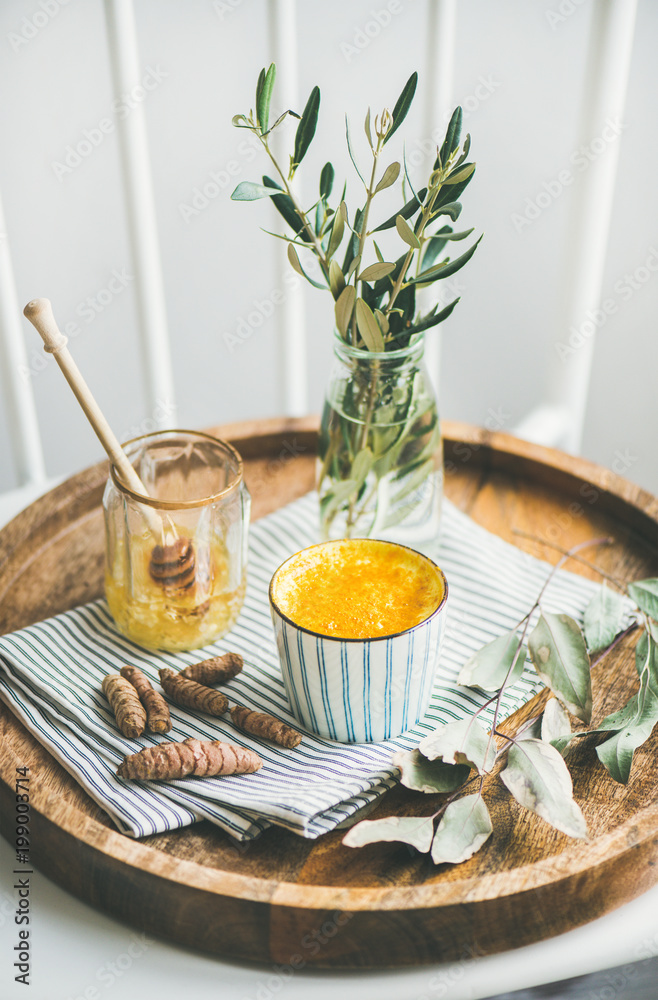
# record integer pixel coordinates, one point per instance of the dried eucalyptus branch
(534, 770)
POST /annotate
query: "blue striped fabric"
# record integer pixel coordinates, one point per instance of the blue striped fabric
(51, 674)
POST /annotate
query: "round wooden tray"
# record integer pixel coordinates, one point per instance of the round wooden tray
(305, 903)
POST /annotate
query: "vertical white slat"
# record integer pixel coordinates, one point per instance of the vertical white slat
(291, 320)
(560, 420)
(140, 207)
(17, 385)
(439, 82)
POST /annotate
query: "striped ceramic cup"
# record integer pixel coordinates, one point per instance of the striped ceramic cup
(356, 671)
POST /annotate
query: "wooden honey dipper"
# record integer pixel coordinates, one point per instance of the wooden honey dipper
(172, 563)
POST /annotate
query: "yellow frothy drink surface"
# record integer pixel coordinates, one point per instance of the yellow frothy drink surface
(357, 588)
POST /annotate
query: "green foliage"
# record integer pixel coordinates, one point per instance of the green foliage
(385, 315)
(455, 755)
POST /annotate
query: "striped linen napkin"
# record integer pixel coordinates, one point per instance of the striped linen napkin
(51, 673)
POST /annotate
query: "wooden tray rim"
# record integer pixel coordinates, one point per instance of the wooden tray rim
(627, 837)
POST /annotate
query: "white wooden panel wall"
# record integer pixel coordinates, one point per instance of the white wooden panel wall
(147, 211)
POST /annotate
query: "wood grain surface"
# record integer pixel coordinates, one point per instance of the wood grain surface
(316, 903)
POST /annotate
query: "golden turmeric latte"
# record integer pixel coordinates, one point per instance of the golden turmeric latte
(357, 588)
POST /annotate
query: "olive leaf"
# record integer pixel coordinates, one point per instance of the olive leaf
(423, 775)
(539, 780)
(351, 154)
(362, 465)
(402, 105)
(645, 595)
(264, 96)
(559, 654)
(408, 209)
(604, 616)
(294, 260)
(460, 175)
(390, 176)
(447, 268)
(379, 270)
(337, 231)
(461, 742)
(326, 180)
(555, 724)
(502, 659)
(452, 136)
(249, 191)
(465, 826)
(432, 319)
(305, 129)
(368, 327)
(415, 830)
(343, 308)
(406, 233)
(336, 279)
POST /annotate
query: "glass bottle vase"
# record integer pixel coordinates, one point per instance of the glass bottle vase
(380, 450)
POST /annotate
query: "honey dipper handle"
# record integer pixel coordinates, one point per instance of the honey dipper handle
(40, 314)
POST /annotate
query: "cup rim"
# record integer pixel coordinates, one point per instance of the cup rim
(375, 638)
(236, 480)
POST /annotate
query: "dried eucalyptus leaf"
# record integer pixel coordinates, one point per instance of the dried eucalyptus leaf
(430, 776)
(645, 595)
(306, 129)
(390, 176)
(465, 826)
(343, 308)
(402, 105)
(489, 666)
(555, 724)
(461, 742)
(616, 753)
(249, 191)
(603, 619)
(415, 830)
(368, 327)
(379, 270)
(539, 780)
(406, 233)
(559, 654)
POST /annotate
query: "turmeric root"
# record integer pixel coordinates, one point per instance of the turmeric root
(191, 694)
(266, 726)
(158, 719)
(216, 670)
(125, 703)
(191, 758)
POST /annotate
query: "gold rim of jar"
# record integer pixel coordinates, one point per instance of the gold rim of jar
(180, 504)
